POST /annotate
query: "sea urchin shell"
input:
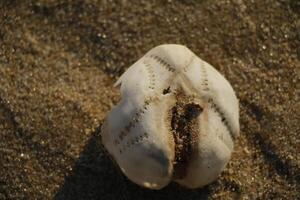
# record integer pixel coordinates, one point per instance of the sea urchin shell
(177, 120)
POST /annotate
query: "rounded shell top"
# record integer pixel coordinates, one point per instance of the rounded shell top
(177, 120)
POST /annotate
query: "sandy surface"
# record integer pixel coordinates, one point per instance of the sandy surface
(59, 60)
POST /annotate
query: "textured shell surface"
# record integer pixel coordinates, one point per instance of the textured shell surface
(177, 120)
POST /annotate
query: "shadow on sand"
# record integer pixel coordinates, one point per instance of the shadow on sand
(281, 166)
(95, 176)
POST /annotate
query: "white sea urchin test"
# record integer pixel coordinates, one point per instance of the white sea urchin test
(177, 120)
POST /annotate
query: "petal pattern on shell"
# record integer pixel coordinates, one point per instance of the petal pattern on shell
(177, 120)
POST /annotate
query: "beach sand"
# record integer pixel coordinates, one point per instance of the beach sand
(60, 59)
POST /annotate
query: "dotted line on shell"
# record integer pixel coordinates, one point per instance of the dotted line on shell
(189, 64)
(204, 83)
(136, 140)
(151, 75)
(133, 122)
(222, 116)
(163, 63)
(211, 101)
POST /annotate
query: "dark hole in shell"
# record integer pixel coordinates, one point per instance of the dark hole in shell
(166, 90)
(184, 125)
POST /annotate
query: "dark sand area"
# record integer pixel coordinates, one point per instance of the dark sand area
(58, 63)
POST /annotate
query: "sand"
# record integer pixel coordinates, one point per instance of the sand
(58, 63)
